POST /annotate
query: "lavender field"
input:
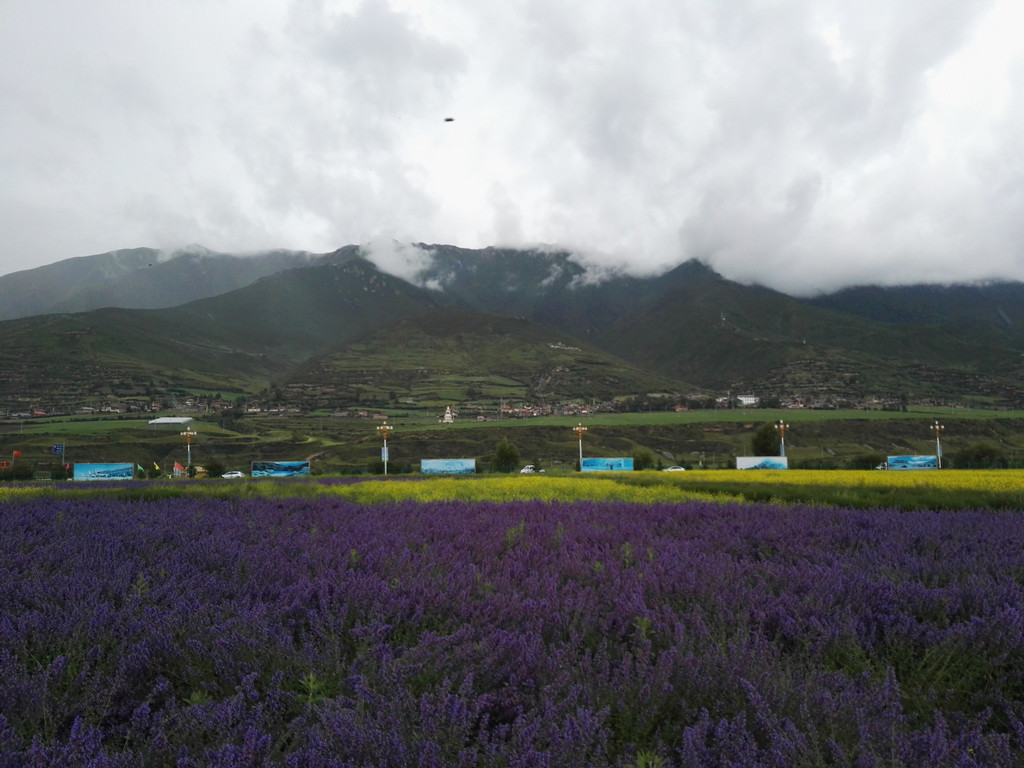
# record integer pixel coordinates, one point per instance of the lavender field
(317, 632)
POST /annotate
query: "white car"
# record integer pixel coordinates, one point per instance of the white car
(233, 474)
(674, 469)
(529, 469)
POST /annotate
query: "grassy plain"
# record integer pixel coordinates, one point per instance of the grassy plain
(697, 439)
(937, 490)
(992, 489)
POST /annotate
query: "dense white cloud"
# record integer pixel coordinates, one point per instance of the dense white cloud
(805, 144)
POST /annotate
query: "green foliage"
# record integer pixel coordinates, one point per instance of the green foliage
(647, 758)
(514, 536)
(313, 688)
(626, 555)
(766, 441)
(19, 470)
(214, 467)
(59, 472)
(643, 458)
(506, 456)
(867, 460)
(983, 455)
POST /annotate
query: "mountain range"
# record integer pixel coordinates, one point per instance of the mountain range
(334, 330)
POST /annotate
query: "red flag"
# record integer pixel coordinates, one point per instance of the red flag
(17, 453)
(178, 467)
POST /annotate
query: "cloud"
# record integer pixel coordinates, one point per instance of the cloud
(806, 144)
(402, 259)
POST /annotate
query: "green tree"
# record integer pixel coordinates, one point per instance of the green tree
(59, 472)
(980, 456)
(766, 440)
(215, 468)
(506, 456)
(643, 459)
(867, 460)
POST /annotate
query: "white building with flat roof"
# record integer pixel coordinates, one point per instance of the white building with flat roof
(171, 421)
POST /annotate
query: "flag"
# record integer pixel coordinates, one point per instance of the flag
(140, 468)
(17, 453)
(178, 467)
(156, 466)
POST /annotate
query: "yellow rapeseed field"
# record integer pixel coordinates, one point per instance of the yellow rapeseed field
(945, 489)
(998, 480)
(517, 487)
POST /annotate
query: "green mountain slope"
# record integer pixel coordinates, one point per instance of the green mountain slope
(188, 276)
(991, 313)
(77, 359)
(725, 334)
(336, 330)
(38, 291)
(458, 356)
(298, 313)
(237, 342)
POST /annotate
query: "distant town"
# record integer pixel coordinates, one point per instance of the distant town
(479, 411)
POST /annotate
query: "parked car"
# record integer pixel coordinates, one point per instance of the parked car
(529, 469)
(674, 469)
(233, 474)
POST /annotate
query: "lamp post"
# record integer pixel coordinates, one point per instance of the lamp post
(937, 429)
(383, 430)
(782, 427)
(188, 434)
(579, 429)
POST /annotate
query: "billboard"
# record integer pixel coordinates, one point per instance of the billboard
(607, 465)
(279, 468)
(762, 462)
(448, 466)
(119, 471)
(913, 462)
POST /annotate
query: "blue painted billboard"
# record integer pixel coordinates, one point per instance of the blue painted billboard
(448, 466)
(913, 462)
(607, 465)
(279, 468)
(762, 462)
(120, 471)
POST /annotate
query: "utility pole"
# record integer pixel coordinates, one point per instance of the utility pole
(579, 429)
(383, 430)
(937, 429)
(782, 427)
(188, 434)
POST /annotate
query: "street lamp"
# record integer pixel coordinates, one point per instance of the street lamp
(579, 429)
(782, 427)
(937, 429)
(383, 430)
(188, 434)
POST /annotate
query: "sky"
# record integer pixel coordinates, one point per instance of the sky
(805, 145)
